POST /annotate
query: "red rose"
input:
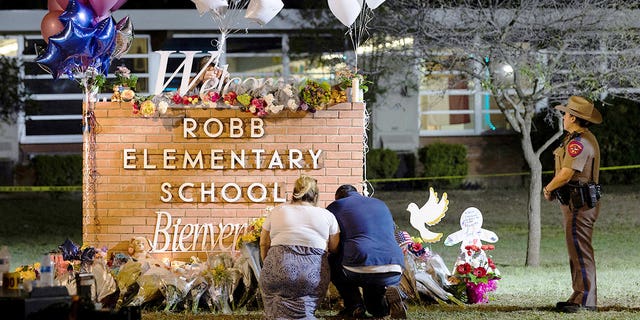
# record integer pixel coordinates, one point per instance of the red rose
(176, 99)
(416, 246)
(463, 268)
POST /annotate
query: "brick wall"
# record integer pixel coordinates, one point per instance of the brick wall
(128, 196)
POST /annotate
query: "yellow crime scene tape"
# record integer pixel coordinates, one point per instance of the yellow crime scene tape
(489, 175)
(39, 188)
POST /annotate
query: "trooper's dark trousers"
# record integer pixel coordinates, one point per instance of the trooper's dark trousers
(578, 227)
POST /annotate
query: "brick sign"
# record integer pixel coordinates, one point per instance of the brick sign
(191, 180)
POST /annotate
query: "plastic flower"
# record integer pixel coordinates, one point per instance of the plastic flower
(147, 108)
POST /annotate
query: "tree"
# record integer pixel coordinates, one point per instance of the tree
(13, 95)
(526, 54)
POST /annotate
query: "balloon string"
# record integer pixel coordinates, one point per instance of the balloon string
(90, 129)
(358, 30)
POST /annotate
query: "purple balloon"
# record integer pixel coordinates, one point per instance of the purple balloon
(81, 14)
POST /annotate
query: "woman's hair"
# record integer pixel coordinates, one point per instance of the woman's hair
(306, 189)
(583, 123)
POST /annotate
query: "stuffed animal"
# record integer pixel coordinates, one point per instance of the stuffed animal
(139, 248)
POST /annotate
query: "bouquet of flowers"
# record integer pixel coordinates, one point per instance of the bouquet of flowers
(315, 95)
(475, 274)
(345, 76)
(252, 234)
(124, 86)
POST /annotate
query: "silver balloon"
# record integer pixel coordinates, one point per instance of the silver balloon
(124, 37)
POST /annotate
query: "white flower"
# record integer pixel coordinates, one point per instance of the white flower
(275, 108)
(269, 99)
(252, 109)
(292, 105)
(288, 90)
(162, 107)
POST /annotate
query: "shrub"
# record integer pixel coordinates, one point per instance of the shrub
(58, 170)
(444, 160)
(618, 141)
(382, 163)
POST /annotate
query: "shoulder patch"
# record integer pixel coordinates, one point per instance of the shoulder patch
(575, 148)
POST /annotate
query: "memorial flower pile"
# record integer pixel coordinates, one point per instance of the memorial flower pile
(475, 274)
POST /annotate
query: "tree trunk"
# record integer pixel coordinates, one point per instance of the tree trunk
(535, 185)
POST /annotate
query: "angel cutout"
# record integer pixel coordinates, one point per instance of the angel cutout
(471, 232)
(430, 214)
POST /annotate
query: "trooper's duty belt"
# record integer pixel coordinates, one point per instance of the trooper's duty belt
(577, 194)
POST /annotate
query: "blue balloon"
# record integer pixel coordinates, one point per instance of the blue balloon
(51, 60)
(77, 12)
(104, 40)
(70, 251)
(80, 44)
(74, 40)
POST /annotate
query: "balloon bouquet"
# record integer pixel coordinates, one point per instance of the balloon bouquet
(82, 38)
(226, 13)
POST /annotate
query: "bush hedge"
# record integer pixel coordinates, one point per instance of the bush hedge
(382, 163)
(58, 170)
(443, 160)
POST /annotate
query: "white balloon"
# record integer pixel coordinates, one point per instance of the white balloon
(262, 11)
(346, 11)
(374, 3)
(204, 6)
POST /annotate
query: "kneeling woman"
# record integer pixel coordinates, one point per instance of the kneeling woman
(295, 242)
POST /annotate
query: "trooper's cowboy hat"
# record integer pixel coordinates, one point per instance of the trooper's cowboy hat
(581, 108)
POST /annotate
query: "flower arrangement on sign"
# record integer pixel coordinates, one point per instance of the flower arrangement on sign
(346, 77)
(260, 97)
(476, 275)
(124, 86)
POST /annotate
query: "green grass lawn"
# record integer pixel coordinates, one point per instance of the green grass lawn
(32, 225)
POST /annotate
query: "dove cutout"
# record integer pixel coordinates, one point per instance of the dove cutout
(429, 214)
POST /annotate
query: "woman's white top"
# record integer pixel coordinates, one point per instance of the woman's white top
(301, 225)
